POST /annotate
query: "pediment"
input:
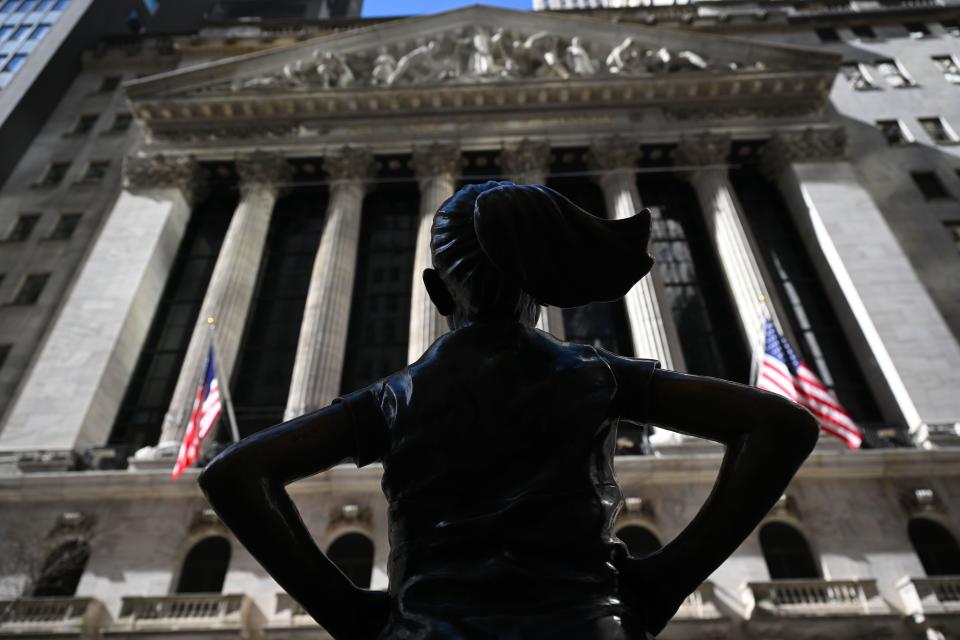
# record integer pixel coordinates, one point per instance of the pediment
(470, 56)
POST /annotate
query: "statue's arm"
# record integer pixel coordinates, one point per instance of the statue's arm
(246, 487)
(767, 438)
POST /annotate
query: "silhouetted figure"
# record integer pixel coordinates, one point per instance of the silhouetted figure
(497, 448)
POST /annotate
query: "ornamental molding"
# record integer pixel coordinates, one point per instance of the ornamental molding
(526, 161)
(810, 145)
(142, 173)
(704, 149)
(613, 154)
(354, 164)
(262, 168)
(436, 159)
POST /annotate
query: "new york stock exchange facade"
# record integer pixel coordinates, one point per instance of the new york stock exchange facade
(288, 193)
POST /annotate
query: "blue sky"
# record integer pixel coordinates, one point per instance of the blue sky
(372, 8)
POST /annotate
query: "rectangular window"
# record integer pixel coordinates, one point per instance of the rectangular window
(894, 74)
(110, 83)
(5, 31)
(917, 30)
(894, 132)
(948, 67)
(85, 124)
(40, 31)
(4, 353)
(60, 5)
(827, 35)
(16, 61)
(930, 185)
(954, 229)
(864, 32)
(55, 174)
(952, 27)
(43, 5)
(23, 227)
(121, 123)
(938, 130)
(22, 7)
(21, 32)
(8, 6)
(95, 172)
(31, 288)
(856, 74)
(67, 223)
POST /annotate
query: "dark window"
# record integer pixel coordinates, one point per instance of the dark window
(4, 353)
(916, 29)
(949, 67)
(43, 5)
(952, 27)
(62, 570)
(864, 32)
(353, 554)
(261, 381)
(110, 83)
(479, 166)
(7, 6)
(894, 132)
(95, 172)
(930, 185)
(787, 553)
(895, 75)
(601, 324)
(20, 32)
(696, 293)
(936, 547)
(377, 340)
(66, 224)
(54, 175)
(121, 123)
(85, 124)
(31, 288)
(938, 130)
(5, 31)
(60, 5)
(827, 34)
(205, 566)
(820, 339)
(857, 76)
(23, 227)
(640, 541)
(16, 61)
(23, 6)
(148, 393)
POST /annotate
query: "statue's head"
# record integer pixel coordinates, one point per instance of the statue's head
(501, 249)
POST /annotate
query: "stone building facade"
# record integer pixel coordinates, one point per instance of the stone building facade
(797, 159)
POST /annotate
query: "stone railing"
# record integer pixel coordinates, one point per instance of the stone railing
(699, 605)
(815, 598)
(928, 596)
(290, 613)
(188, 612)
(83, 617)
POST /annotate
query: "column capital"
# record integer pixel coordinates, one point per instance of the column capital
(159, 171)
(526, 158)
(703, 149)
(353, 164)
(436, 159)
(613, 153)
(261, 168)
(809, 145)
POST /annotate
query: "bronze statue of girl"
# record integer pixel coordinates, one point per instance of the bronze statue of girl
(497, 449)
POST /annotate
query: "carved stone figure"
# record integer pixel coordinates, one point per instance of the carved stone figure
(384, 66)
(332, 70)
(625, 58)
(497, 449)
(415, 65)
(481, 63)
(578, 60)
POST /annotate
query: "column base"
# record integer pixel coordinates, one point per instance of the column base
(158, 457)
(38, 461)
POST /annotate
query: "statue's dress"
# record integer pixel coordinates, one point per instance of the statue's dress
(497, 448)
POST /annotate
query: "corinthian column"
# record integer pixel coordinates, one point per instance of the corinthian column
(231, 285)
(528, 162)
(436, 166)
(94, 342)
(702, 161)
(326, 316)
(650, 329)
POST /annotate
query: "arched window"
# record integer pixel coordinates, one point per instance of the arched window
(353, 554)
(936, 547)
(62, 570)
(640, 541)
(205, 566)
(787, 553)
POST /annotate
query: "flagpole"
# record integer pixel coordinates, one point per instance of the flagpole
(225, 385)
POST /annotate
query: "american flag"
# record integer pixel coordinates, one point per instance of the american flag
(783, 373)
(206, 410)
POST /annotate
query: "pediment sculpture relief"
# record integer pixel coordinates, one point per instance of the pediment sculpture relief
(479, 54)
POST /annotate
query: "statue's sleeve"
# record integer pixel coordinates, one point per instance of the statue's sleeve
(632, 400)
(371, 410)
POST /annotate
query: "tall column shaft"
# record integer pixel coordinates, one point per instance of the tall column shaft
(69, 399)
(322, 345)
(231, 287)
(436, 166)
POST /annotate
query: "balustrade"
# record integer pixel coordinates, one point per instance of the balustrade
(61, 616)
(816, 598)
(187, 612)
(929, 596)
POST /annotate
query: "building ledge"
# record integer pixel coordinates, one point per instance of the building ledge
(48, 617)
(931, 596)
(187, 615)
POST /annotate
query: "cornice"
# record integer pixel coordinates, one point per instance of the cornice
(883, 464)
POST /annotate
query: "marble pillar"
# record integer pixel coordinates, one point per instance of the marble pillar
(913, 364)
(69, 399)
(528, 162)
(322, 345)
(651, 328)
(702, 160)
(231, 287)
(436, 166)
